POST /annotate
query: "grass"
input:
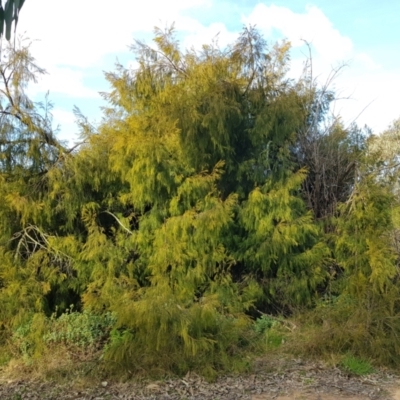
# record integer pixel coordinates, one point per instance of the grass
(356, 366)
(61, 360)
(274, 339)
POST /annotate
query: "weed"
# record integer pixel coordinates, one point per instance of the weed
(269, 327)
(308, 381)
(274, 339)
(81, 329)
(264, 323)
(356, 366)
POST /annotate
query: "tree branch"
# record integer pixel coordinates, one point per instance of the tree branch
(119, 222)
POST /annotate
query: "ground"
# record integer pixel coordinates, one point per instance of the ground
(289, 379)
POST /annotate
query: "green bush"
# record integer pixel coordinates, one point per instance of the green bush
(20, 339)
(27, 338)
(264, 323)
(270, 330)
(226, 345)
(80, 329)
(85, 330)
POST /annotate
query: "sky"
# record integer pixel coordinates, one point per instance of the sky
(76, 41)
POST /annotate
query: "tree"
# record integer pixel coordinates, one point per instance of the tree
(191, 208)
(28, 150)
(182, 213)
(359, 313)
(209, 222)
(329, 151)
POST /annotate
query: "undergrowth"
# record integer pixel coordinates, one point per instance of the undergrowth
(358, 333)
(76, 345)
(356, 366)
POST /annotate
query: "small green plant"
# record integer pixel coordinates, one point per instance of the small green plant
(269, 328)
(356, 366)
(4, 357)
(274, 339)
(85, 330)
(26, 338)
(21, 339)
(81, 329)
(264, 324)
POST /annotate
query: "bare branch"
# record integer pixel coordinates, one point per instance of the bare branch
(119, 222)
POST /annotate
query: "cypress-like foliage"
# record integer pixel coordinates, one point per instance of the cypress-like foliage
(183, 213)
(201, 143)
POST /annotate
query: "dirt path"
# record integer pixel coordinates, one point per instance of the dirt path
(272, 379)
(393, 394)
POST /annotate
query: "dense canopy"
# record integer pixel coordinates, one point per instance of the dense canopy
(214, 193)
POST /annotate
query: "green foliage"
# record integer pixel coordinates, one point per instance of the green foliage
(362, 315)
(274, 339)
(283, 244)
(38, 335)
(356, 365)
(223, 344)
(79, 329)
(363, 245)
(270, 330)
(189, 208)
(20, 338)
(264, 323)
(26, 339)
(366, 327)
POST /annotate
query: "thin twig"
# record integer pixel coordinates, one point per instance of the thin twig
(119, 222)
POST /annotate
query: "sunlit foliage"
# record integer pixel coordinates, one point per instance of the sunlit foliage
(202, 200)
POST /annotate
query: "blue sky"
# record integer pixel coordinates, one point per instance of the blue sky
(77, 40)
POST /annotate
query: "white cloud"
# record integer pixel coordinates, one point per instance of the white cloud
(63, 117)
(63, 80)
(312, 26)
(71, 36)
(372, 90)
(80, 33)
(373, 94)
(65, 120)
(200, 35)
(71, 40)
(77, 35)
(366, 62)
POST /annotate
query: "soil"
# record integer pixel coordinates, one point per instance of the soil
(272, 379)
